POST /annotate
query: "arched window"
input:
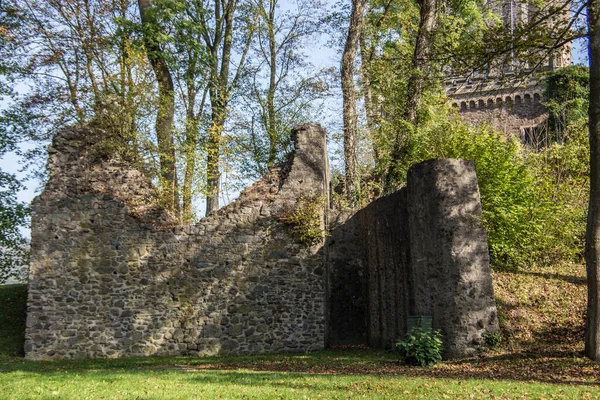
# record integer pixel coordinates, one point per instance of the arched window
(518, 100)
(527, 98)
(472, 105)
(481, 104)
(463, 105)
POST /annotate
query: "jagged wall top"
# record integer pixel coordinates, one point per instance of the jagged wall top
(107, 280)
(78, 165)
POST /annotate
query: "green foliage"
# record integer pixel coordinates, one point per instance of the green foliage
(492, 340)
(421, 347)
(567, 90)
(306, 219)
(13, 215)
(534, 204)
(561, 190)
(504, 180)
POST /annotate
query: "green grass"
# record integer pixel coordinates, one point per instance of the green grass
(243, 384)
(332, 374)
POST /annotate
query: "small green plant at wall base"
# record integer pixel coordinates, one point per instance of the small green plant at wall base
(421, 347)
(306, 219)
(493, 340)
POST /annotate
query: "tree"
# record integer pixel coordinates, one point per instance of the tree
(79, 64)
(222, 31)
(352, 180)
(188, 62)
(567, 98)
(592, 253)
(421, 59)
(166, 105)
(13, 213)
(279, 88)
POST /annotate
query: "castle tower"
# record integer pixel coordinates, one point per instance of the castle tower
(504, 96)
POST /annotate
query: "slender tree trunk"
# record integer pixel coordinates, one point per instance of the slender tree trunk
(421, 58)
(191, 142)
(213, 172)
(191, 139)
(349, 98)
(366, 57)
(219, 97)
(166, 110)
(592, 250)
(271, 127)
(416, 85)
(127, 89)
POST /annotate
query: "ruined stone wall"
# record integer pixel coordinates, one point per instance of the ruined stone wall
(421, 251)
(112, 274)
(450, 276)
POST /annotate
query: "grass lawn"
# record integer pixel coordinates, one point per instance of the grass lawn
(541, 317)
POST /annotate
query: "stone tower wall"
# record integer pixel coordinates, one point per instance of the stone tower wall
(512, 108)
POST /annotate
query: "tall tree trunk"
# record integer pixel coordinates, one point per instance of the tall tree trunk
(271, 117)
(219, 97)
(127, 89)
(213, 152)
(191, 140)
(366, 57)
(416, 85)
(166, 109)
(349, 99)
(421, 58)
(592, 250)
(220, 45)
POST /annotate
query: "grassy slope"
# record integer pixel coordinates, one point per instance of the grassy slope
(542, 310)
(541, 315)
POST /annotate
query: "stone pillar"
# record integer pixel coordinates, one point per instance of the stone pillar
(450, 268)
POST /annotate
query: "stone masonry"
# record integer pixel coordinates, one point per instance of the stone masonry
(512, 107)
(112, 273)
(509, 94)
(421, 251)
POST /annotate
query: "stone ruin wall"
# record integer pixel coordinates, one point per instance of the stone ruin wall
(112, 276)
(421, 251)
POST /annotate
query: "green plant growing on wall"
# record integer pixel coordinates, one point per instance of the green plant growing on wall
(421, 347)
(306, 219)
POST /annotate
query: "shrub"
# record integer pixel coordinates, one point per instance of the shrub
(306, 219)
(492, 340)
(534, 203)
(421, 347)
